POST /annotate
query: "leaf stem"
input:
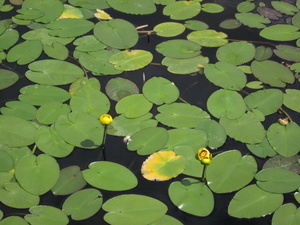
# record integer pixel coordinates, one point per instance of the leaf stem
(203, 178)
(103, 144)
(281, 110)
(33, 149)
(181, 99)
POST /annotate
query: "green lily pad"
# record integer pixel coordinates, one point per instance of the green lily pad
(251, 202)
(181, 115)
(50, 111)
(148, 140)
(51, 143)
(287, 52)
(280, 32)
(53, 72)
(254, 85)
(236, 53)
(116, 33)
(287, 214)
(80, 129)
(7, 78)
(291, 99)
(118, 88)
(133, 209)
(46, 215)
(208, 38)
(12, 195)
(90, 4)
(88, 43)
(263, 53)
(252, 20)
(195, 25)
(84, 82)
(262, 150)
(37, 174)
(226, 102)
(133, 106)
(166, 220)
(284, 7)
(56, 51)
(230, 171)
(70, 180)
(225, 75)
(212, 8)
(133, 6)
(282, 138)
(245, 6)
(83, 204)
(6, 161)
(277, 180)
(159, 90)
(169, 29)
(272, 73)
(230, 24)
(16, 220)
(131, 59)
(16, 132)
(288, 163)
(8, 38)
(192, 196)
(41, 94)
(267, 101)
(182, 10)
(110, 176)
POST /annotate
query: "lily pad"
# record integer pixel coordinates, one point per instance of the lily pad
(284, 7)
(16, 220)
(84, 82)
(56, 51)
(287, 214)
(6, 161)
(7, 78)
(280, 32)
(166, 220)
(291, 99)
(245, 7)
(8, 39)
(208, 38)
(212, 8)
(50, 111)
(195, 25)
(287, 52)
(252, 20)
(288, 163)
(182, 10)
(169, 29)
(88, 43)
(118, 88)
(133, 6)
(262, 149)
(230, 24)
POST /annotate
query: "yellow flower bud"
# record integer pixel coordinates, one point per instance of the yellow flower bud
(284, 121)
(105, 119)
(204, 156)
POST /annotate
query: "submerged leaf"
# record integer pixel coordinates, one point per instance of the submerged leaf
(118, 88)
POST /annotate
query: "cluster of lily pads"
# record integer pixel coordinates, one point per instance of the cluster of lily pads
(59, 112)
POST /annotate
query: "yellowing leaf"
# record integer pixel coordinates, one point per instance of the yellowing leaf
(71, 12)
(100, 14)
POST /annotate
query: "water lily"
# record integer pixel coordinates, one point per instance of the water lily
(204, 156)
(105, 119)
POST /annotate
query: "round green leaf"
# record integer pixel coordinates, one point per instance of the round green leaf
(236, 53)
(133, 106)
(80, 129)
(192, 196)
(16, 132)
(169, 29)
(245, 6)
(50, 111)
(181, 115)
(262, 149)
(226, 102)
(148, 140)
(118, 88)
(70, 180)
(7, 78)
(83, 204)
(133, 6)
(53, 72)
(12, 195)
(284, 7)
(132, 209)
(180, 49)
(252, 202)
(278, 161)
(88, 43)
(182, 10)
(282, 138)
(159, 90)
(280, 32)
(8, 38)
(263, 53)
(195, 25)
(229, 171)
(287, 214)
(131, 59)
(15, 220)
(116, 33)
(84, 82)
(225, 75)
(110, 176)
(208, 38)
(254, 85)
(277, 180)
(6, 161)
(46, 215)
(56, 51)
(230, 24)
(267, 101)
(287, 52)
(19, 109)
(37, 174)
(41, 94)
(212, 8)
(291, 99)
(51, 143)
(252, 19)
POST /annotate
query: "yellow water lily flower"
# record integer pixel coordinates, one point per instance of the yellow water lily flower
(105, 119)
(100, 14)
(204, 156)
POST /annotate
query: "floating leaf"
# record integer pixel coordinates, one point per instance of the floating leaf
(277, 180)
(56, 51)
(8, 38)
(254, 85)
(83, 204)
(284, 7)
(230, 171)
(272, 73)
(37, 174)
(195, 25)
(282, 138)
(181, 115)
(84, 82)
(110, 176)
(166, 220)
(6, 161)
(192, 196)
(162, 166)
(225, 75)
(131, 59)
(245, 7)
(133, 6)
(234, 52)
(70, 180)
(7, 78)
(29, 14)
(230, 24)
(118, 88)
(269, 13)
(263, 53)
(208, 38)
(133, 106)
(291, 99)
(180, 49)
(278, 161)
(148, 140)
(80, 129)
(90, 4)
(169, 29)
(16, 220)
(132, 209)
(287, 52)
(252, 20)
(212, 8)
(262, 149)
(159, 90)
(71, 12)
(46, 215)
(267, 101)
(182, 10)
(41, 94)
(287, 214)
(280, 32)
(50, 111)
(116, 33)
(88, 43)
(16, 132)
(252, 202)
(226, 102)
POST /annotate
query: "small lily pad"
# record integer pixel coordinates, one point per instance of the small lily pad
(208, 38)
(169, 29)
(118, 88)
(7, 78)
